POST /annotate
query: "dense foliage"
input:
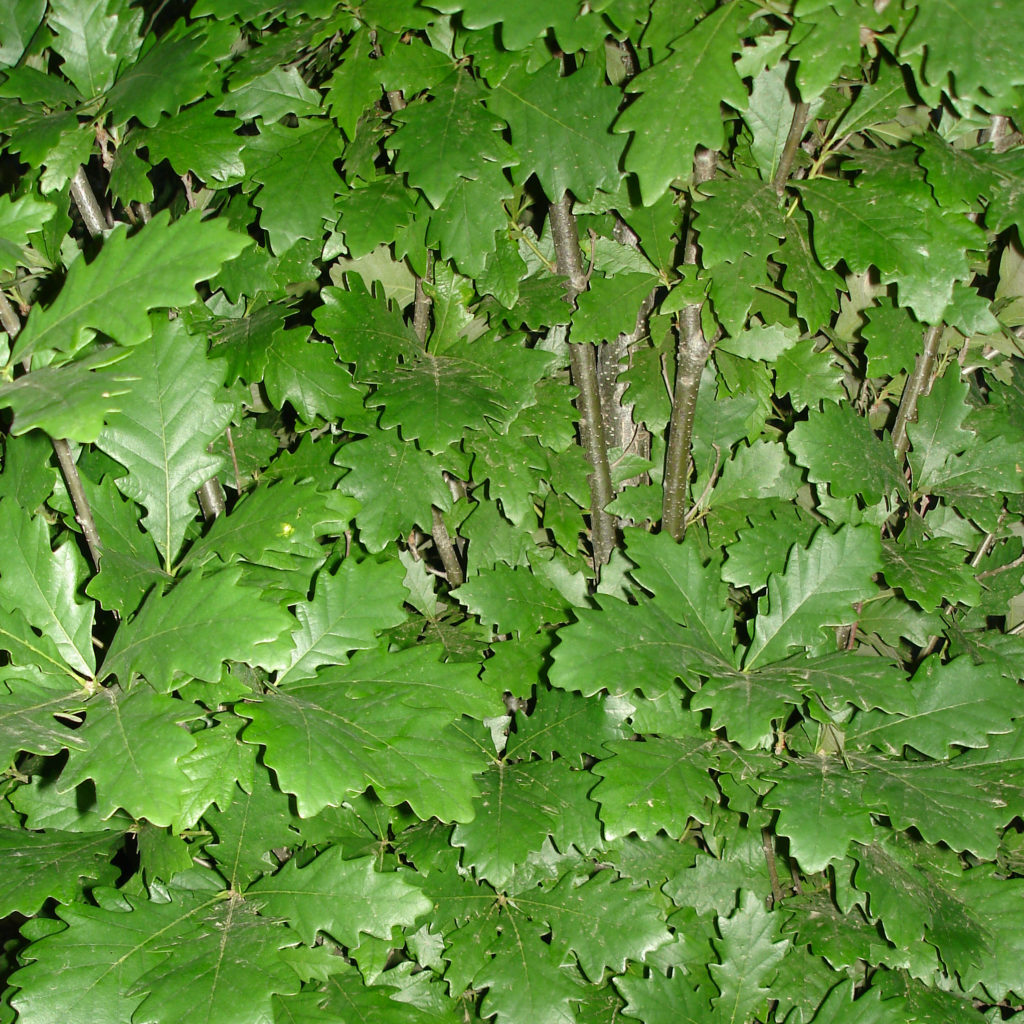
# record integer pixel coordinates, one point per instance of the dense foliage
(511, 509)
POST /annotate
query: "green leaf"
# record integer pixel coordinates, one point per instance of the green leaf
(677, 576)
(332, 736)
(564, 723)
(840, 449)
(197, 140)
(373, 214)
(769, 115)
(524, 983)
(622, 646)
(994, 902)
(969, 76)
(820, 810)
(530, 20)
(307, 374)
(195, 949)
(747, 705)
(665, 132)
(281, 525)
(93, 41)
(519, 807)
(271, 96)
(939, 433)
(818, 589)
(129, 563)
(435, 399)
(453, 137)
(396, 483)
(365, 331)
(657, 999)
(70, 401)
(512, 600)
(840, 1007)
(809, 376)
(561, 127)
(52, 865)
(469, 217)
(948, 802)
(609, 306)
(342, 898)
(748, 960)
(930, 572)
(825, 41)
(258, 819)
(737, 217)
(42, 583)
(31, 714)
(158, 266)
(658, 784)
(813, 286)
(195, 626)
(169, 75)
(162, 434)
(869, 224)
(134, 741)
(956, 704)
(19, 219)
(893, 339)
(218, 760)
(355, 84)
(592, 920)
(305, 154)
(24, 18)
(349, 608)
(915, 902)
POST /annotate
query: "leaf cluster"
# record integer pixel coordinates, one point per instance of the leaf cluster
(511, 511)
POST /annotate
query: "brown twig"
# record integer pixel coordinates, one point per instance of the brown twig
(583, 366)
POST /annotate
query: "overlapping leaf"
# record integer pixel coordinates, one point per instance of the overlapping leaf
(348, 609)
(42, 584)
(561, 128)
(53, 865)
(519, 807)
(133, 741)
(161, 436)
(451, 137)
(342, 898)
(195, 949)
(194, 627)
(819, 587)
(435, 399)
(370, 723)
(35, 716)
(891, 222)
(659, 784)
(666, 133)
(161, 264)
(955, 704)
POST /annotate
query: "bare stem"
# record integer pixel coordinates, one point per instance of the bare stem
(773, 874)
(66, 461)
(796, 133)
(9, 317)
(211, 498)
(583, 365)
(691, 355)
(916, 385)
(692, 352)
(421, 306)
(83, 513)
(446, 549)
(88, 207)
